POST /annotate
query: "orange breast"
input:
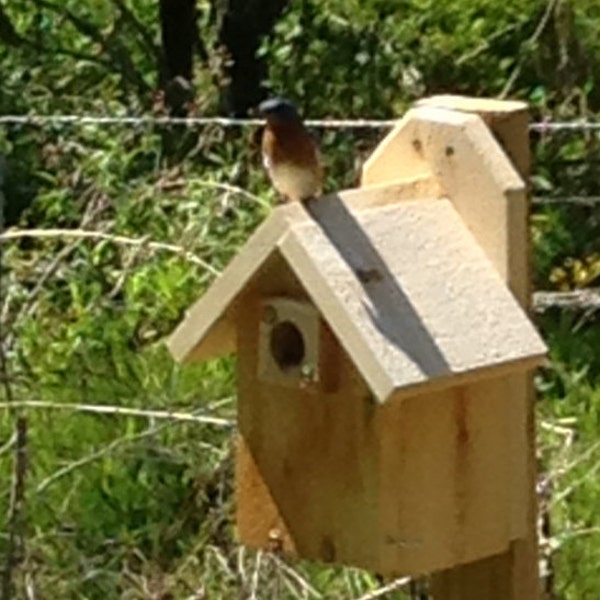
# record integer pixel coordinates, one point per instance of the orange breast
(290, 142)
(292, 160)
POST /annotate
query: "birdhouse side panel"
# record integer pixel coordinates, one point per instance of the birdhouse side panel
(450, 492)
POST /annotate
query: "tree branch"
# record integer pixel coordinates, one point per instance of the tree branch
(128, 14)
(241, 25)
(117, 53)
(8, 33)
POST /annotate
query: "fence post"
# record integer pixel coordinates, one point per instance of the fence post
(514, 574)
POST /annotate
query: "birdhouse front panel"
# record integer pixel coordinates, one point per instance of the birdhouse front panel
(299, 431)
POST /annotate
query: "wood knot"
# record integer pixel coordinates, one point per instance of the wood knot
(368, 275)
(327, 549)
(275, 543)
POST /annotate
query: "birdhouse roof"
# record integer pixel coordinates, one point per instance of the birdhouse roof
(405, 288)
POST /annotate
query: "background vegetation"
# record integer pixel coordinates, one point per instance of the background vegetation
(139, 507)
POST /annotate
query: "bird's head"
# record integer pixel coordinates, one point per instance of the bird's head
(278, 111)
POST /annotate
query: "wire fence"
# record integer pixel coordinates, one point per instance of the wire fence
(43, 120)
(587, 201)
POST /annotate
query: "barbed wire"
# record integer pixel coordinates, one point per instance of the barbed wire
(572, 200)
(42, 120)
(556, 126)
(165, 121)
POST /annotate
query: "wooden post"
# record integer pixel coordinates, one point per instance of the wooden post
(514, 574)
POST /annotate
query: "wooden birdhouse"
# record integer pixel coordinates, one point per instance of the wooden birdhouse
(383, 353)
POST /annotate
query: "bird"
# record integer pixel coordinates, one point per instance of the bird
(290, 155)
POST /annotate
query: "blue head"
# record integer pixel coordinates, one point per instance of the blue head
(278, 110)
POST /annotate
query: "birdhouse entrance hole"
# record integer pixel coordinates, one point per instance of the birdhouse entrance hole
(287, 345)
(289, 342)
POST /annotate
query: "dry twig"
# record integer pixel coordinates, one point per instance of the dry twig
(14, 550)
(255, 576)
(296, 577)
(395, 585)
(585, 299)
(31, 302)
(15, 543)
(528, 44)
(120, 411)
(14, 234)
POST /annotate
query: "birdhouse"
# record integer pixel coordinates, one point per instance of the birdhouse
(381, 345)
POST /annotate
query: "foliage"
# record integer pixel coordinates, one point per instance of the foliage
(124, 506)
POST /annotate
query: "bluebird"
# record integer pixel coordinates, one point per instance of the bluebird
(290, 155)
